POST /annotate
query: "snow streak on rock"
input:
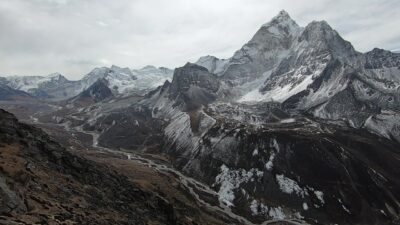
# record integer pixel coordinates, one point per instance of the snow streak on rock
(230, 180)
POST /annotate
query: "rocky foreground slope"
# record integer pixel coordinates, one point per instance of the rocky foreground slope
(40, 182)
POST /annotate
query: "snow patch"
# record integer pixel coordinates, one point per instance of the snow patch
(290, 120)
(289, 186)
(277, 213)
(230, 180)
(320, 196)
(274, 145)
(305, 206)
(258, 208)
(344, 207)
(270, 163)
(280, 94)
(255, 152)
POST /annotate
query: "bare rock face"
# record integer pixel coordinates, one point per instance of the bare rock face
(380, 58)
(10, 201)
(193, 86)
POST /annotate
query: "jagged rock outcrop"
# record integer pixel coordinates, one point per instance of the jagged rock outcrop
(193, 86)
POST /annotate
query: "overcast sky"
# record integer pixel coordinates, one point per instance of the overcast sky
(74, 36)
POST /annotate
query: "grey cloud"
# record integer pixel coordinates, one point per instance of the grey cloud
(73, 36)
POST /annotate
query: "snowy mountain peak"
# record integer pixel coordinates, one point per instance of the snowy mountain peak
(113, 71)
(321, 31)
(321, 37)
(114, 67)
(281, 24)
(57, 77)
(282, 15)
(149, 67)
(119, 69)
(320, 26)
(97, 70)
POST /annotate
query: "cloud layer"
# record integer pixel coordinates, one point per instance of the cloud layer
(73, 36)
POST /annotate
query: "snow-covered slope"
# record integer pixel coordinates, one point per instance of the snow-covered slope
(150, 77)
(118, 78)
(213, 64)
(126, 81)
(37, 85)
(27, 83)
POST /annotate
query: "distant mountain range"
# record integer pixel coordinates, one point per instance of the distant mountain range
(56, 87)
